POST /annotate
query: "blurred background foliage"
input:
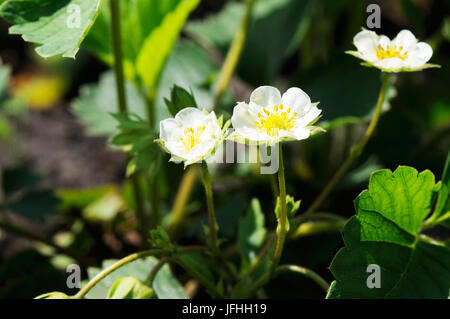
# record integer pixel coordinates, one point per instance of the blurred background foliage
(65, 183)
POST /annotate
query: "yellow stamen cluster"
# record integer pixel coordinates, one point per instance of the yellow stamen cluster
(391, 52)
(271, 122)
(192, 137)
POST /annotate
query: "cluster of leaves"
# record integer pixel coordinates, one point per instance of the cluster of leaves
(136, 138)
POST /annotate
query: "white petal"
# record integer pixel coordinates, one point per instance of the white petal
(241, 116)
(201, 149)
(390, 64)
(420, 55)
(366, 41)
(213, 130)
(405, 39)
(297, 100)
(266, 96)
(169, 129)
(252, 134)
(254, 109)
(191, 117)
(176, 148)
(384, 41)
(300, 133)
(308, 117)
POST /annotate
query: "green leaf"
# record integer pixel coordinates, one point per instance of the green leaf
(149, 31)
(97, 101)
(282, 22)
(443, 203)
(58, 27)
(165, 284)
(179, 99)
(252, 231)
(137, 139)
(105, 208)
(18, 178)
(36, 205)
(386, 232)
(5, 73)
(198, 266)
(130, 288)
(78, 199)
(157, 47)
(292, 206)
(191, 68)
(159, 238)
(446, 29)
(53, 295)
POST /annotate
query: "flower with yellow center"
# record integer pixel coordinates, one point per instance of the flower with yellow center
(192, 136)
(402, 54)
(270, 118)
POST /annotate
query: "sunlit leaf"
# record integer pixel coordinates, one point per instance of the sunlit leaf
(149, 31)
(252, 231)
(157, 46)
(130, 288)
(165, 285)
(386, 232)
(97, 101)
(58, 27)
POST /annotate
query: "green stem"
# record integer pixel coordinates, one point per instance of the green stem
(283, 223)
(317, 227)
(233, 54)
(156, 269)
(213, 227)
(256, 262)
(105, 272)
(118, 55)
(122, 102)
(356, 152)
(268, 276)
(307, 273)
(126, 260)
(153, 192)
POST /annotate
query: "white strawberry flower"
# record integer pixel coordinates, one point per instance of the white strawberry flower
(270, 118)
(192, 136)
(402, 54)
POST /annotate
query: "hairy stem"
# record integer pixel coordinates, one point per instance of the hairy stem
(263, 280)
(355, 153)
(126, 260)
(283, 223)
(156, 269)
(306, 272)
(105, 272)
(210, 203)
(122, 101)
